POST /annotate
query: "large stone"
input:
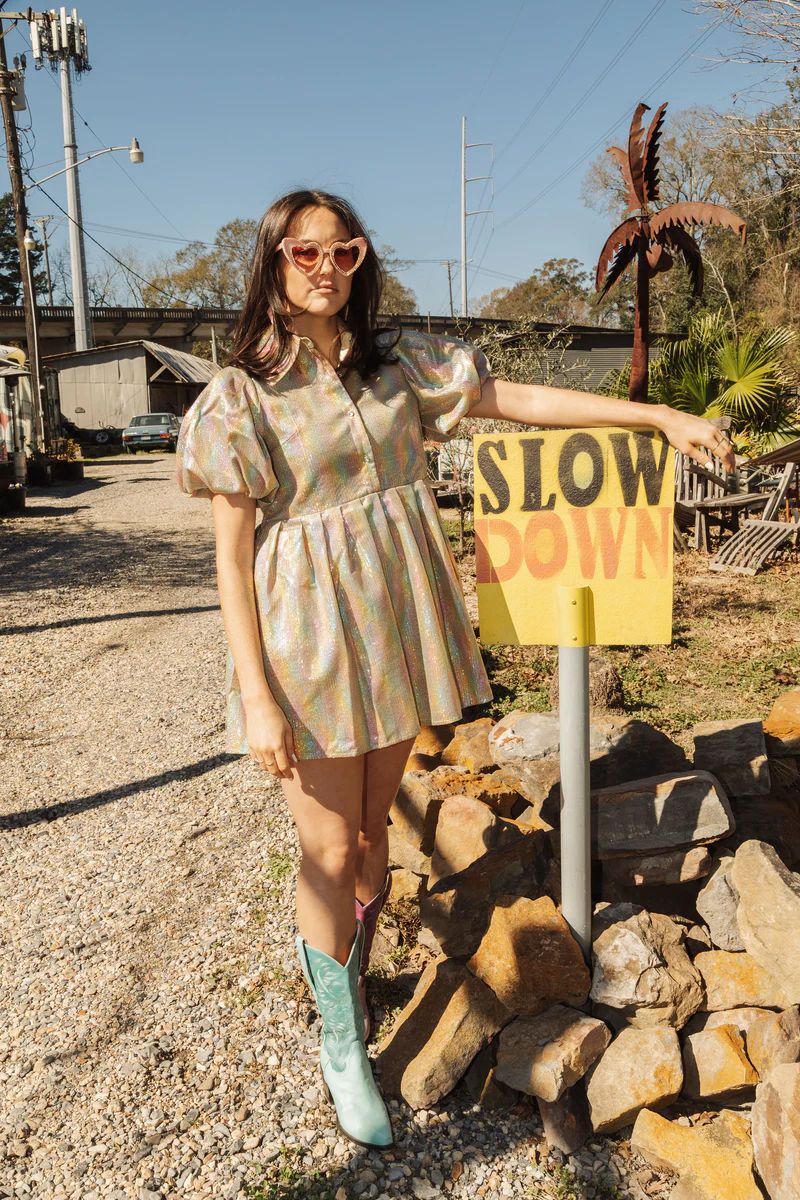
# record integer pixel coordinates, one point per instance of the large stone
(714, 1161)
(715, 1064)
(566, 1121)
(737, 981)
(547, 1054)
(774, 819)
(466, 830)
(450, 1017)
(768, 913)
(605, 684)
(406, 885)
(658, 813)
(641, 1068)
(783, 722)
(642, 969)
(677, 866)
(483, 1085)
(743, 1019)
(736, 753)
(404, 854)
(716, 904)
(415, 810)
(529, 958)
(620, 749)
(776, 1132)
(457, 909)
(775, 1040)
(470, 746)
(432, 739)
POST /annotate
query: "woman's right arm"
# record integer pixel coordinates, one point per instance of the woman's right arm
(268, 731)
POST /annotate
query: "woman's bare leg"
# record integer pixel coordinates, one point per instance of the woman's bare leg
(325, 798)
(383, 771)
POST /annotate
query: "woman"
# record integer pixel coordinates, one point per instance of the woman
(343, 610)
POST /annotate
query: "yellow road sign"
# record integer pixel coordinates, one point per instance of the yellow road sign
(574, 508)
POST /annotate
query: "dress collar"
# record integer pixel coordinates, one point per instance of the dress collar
(345, 342)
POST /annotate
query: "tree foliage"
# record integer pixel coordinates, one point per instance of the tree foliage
(558, 291)
(10, 277)
(396, 299)
(716, 371)
(524, 354)
(713, 158)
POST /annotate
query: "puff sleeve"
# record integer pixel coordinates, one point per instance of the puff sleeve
(446, 374)
(219, 448)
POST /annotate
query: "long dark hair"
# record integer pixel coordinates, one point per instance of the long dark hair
(266, 299)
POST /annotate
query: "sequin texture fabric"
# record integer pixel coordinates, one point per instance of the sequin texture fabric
(364, 629)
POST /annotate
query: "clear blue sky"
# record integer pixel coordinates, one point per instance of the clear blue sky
(234, 106)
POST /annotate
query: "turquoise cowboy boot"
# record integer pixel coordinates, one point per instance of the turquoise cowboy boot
(361, 1114)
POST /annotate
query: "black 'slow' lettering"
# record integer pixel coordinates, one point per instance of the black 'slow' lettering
(494, 477)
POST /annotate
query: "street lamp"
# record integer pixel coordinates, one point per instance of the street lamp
(84, 337)
(135, 153)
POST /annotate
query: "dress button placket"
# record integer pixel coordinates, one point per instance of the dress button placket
(359, 431)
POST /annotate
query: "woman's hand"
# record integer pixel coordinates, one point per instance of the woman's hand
(270, 738)
(688, 433)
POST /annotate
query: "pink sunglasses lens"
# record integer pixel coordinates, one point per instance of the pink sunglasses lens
(346, 257)
(305, 257)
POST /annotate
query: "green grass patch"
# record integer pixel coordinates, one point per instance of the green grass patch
(287, 1179)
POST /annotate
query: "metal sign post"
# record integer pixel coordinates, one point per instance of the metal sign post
(574, 547)
(573, 725)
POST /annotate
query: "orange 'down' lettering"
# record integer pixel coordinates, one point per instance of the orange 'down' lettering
(543, 543)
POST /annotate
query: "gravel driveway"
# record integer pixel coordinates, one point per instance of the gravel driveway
(154, 1039)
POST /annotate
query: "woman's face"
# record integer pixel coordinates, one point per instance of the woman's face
(325, 291)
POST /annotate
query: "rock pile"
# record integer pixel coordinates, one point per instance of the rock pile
(691, 1002)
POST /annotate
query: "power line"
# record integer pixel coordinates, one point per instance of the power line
(545, 95)
(497, 57)
(116, 161)
(105, 250)
(558, 76)
(612, 128)
(140, 233)
(634, 36)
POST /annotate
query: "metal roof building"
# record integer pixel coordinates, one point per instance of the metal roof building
(109, 384)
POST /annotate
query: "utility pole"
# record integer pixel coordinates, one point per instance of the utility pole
(43, 222)
(61, 37)
(41, 432)
(450, 262)
(465, 179)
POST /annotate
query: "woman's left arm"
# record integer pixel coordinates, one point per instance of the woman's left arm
(536, 404)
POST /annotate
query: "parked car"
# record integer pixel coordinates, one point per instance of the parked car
(152, 431)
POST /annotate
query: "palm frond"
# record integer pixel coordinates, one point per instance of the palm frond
(625, 234)
(650, 168)
(636, 152)
(695, 212)
(621, 159)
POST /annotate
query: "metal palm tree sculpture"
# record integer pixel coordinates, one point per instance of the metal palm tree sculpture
(649, 236)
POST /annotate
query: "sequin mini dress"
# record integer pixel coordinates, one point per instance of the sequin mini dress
(362, 619)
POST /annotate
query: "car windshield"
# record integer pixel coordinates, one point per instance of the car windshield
(152, 419)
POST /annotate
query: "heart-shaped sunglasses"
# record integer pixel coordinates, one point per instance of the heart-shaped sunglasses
(307, 256)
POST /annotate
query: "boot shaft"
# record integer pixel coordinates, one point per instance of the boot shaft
(334, 986)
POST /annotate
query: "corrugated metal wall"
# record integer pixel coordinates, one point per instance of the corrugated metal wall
(108, 391)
